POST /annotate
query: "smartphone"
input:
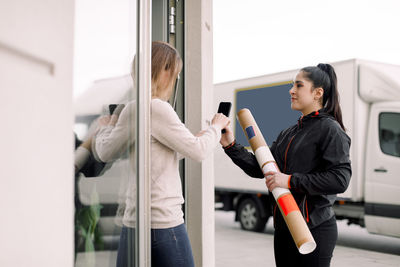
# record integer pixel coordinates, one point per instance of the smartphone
(112, 107)
(224, 108)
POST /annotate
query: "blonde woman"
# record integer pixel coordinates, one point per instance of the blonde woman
(170, 141)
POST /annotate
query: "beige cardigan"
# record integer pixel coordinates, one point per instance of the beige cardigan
(169, 139)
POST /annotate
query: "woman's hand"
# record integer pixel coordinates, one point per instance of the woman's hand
(227, 138)
(113, 120)
(87, 144)
(276, 179)
(108, 120)
(103, 120)
(220, 120)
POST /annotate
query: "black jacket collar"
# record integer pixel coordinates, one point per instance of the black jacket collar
(313, 115)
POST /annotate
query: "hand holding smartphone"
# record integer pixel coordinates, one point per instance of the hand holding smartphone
(224, 108)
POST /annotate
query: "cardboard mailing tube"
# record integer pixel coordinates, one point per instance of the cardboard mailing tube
(284, 199)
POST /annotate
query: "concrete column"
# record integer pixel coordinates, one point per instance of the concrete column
(198, 110)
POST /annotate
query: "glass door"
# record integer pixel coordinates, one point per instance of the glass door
(111, 105)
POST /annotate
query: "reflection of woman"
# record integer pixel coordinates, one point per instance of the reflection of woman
(86, 230)
(313, 156)
(169, 139)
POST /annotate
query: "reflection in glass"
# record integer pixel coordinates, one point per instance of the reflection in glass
(105, 39)
(104, 177)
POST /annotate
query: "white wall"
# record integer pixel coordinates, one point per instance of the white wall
(36, 178)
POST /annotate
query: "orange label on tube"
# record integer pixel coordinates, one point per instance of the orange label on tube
(287, 204)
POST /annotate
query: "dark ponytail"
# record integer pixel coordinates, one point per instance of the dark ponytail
(324, 76)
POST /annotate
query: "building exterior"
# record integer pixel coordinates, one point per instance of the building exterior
(41, 44)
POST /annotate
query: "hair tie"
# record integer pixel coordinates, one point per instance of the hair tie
(323, 67)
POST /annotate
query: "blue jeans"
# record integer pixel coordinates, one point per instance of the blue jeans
(169, 248)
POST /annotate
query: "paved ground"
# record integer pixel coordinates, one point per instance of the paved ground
(356, 247)
(237, 248)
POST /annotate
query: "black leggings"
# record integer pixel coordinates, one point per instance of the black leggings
(287, 254)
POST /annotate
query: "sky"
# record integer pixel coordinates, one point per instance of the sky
(251, 38)
(257, 37)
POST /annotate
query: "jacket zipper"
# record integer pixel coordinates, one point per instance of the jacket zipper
(287, 149)
(284, 170)
(307, 218)
(304, 210)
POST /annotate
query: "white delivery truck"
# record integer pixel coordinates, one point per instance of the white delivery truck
(370, 101)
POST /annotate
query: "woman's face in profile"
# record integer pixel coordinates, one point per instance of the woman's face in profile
(301, 94)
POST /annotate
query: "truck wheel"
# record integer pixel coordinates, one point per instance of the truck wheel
(250, 216)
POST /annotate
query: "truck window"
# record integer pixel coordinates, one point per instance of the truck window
(270, 106)
(389, 133)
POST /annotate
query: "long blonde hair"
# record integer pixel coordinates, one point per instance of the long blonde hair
(164, 57)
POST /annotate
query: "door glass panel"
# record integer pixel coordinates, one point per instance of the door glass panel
(389, 133)
(105, 191)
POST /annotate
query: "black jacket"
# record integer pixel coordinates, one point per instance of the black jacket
(92, 168)
(315, 152)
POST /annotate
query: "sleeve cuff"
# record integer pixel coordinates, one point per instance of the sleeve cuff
(81, 157)
(230, 145)
(94, 151)
(288, 183)
(218, 131)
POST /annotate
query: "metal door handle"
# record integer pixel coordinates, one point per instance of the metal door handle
(380, 170)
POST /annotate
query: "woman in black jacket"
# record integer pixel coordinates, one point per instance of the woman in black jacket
(313, 157)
